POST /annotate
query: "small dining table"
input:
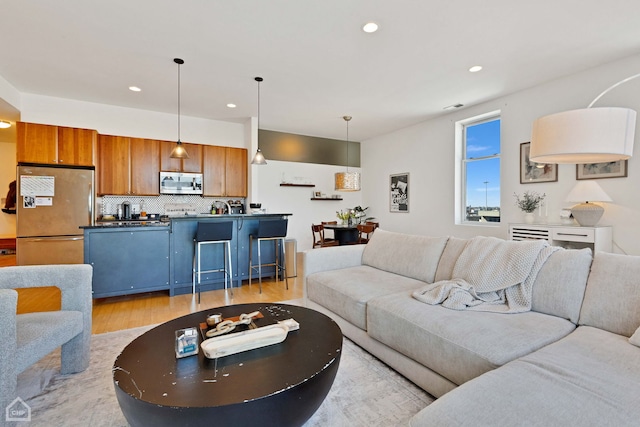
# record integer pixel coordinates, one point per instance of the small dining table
(345, 234)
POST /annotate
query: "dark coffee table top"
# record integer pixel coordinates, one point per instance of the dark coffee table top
(148, 371)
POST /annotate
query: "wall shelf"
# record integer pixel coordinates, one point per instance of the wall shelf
(296, 185)
(325, 198)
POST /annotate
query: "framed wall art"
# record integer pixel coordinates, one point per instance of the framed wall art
(399, 192)
(531, 172)
(602, 170)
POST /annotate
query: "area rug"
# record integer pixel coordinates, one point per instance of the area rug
(365, 393)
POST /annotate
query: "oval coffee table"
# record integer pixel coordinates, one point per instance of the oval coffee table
(277, 385)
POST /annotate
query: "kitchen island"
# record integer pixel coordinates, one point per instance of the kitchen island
(135, 257)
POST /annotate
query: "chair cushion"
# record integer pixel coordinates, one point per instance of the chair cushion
(38, 334)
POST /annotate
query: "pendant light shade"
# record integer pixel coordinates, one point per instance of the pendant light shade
(259, 159)
(179, 151)
(347, 181)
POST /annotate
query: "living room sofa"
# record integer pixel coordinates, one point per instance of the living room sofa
(566, 361)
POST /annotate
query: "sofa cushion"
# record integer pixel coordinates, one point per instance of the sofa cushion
(589, 378)
(405, 254)
(612, 297)
(560, 285)
(450, 255)
(347, 291)
(459, 345)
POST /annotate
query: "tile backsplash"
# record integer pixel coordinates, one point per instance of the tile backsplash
(108, 205)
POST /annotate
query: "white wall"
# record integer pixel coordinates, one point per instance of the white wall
(426, 151)
(113, 120)
(297, 200)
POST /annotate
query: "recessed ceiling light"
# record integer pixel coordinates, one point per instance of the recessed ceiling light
(475, 68)
(134, 89)
(370, 27)
(453, 107)
(4, 124)
(231, 105)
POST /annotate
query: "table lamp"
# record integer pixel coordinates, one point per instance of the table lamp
(587, 214)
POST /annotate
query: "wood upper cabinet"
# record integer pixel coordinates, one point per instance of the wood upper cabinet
(49, 144)
(145, 167)
(225, 171)
(76, 146)
(114, 165)
(214, 161)
(128, 166)
(192, 164)
(236, 172)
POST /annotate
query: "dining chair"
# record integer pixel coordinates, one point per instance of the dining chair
(364, 232)
(331, 235)
(319, 241)
(374, 223)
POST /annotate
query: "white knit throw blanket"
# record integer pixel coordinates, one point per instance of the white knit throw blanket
(491, 274)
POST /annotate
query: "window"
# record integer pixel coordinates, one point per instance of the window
(478, 150)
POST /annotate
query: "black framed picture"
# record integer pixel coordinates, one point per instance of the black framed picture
(399, 192)
(602, 170)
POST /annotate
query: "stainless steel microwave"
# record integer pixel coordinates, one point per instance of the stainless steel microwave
(180, 183)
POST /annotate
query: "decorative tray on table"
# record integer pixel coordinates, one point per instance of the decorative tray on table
(224, 337)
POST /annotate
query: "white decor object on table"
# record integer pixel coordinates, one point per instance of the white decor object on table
(587, 214)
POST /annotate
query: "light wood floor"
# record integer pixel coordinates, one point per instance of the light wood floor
(115, 313)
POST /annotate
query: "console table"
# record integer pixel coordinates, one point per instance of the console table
(599, 239)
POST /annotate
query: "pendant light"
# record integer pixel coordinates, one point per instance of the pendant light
(178, 151)
(259, 159)
(347, 181)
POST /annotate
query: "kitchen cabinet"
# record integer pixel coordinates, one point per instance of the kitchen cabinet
(127, 260)
(192, 164)
(47, 144)
(145, 167)
(225, 171)
(128, 166)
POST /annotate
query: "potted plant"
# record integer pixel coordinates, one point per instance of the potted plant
(528, 203)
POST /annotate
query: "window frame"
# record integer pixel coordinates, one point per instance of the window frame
(461, 163)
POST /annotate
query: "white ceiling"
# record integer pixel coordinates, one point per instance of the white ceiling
(317, 63)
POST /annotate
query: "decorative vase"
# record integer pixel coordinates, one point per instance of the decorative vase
(529, 217)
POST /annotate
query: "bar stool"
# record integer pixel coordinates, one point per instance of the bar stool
(275, 231)
(209, 233)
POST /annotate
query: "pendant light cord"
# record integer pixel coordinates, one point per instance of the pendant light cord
(347, 119)
(179, 62)
(178, 102)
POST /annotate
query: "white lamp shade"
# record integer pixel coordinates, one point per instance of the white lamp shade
(587, 191)
(590, 135)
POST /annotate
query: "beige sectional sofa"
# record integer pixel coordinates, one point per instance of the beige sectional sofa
(567, 361)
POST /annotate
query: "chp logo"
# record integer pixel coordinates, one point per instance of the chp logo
(18, 410)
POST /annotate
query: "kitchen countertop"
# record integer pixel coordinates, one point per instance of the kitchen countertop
(167, 222)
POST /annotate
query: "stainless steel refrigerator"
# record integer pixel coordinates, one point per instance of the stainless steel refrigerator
(53, 203)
